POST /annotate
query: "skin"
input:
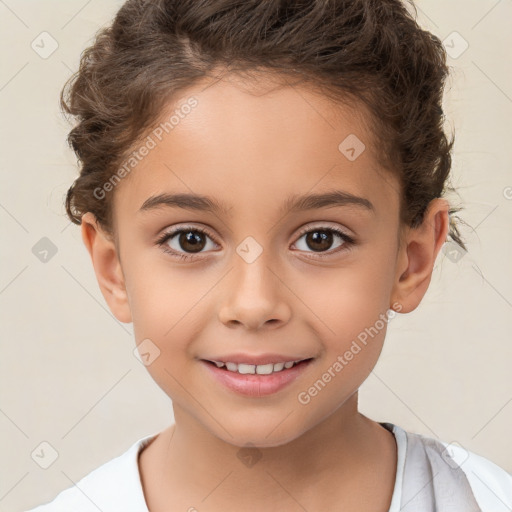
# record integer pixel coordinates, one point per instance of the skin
(251, 149)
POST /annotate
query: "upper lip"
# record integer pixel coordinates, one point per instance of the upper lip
(259, 359)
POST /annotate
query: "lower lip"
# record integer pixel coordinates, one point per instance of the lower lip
(257, 385)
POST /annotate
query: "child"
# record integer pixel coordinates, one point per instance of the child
(262, 186)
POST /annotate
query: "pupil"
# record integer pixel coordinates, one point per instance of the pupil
(191, 239)
(319, 240)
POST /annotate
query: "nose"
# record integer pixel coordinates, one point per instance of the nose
(254, 296)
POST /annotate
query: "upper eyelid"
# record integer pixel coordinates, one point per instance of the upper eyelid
(318, 224)
(172, 232)
(325, 224)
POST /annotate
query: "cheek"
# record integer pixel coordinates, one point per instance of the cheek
(162, 296)
(352, 345)
(347, 299)
(349, 310)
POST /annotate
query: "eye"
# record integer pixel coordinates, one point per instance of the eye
(190, 239)
(320, 239)
(186, 241)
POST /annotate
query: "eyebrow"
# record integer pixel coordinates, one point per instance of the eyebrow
(294, 203)
(185, 201)
(326, 200)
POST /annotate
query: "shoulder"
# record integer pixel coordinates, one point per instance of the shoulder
(491, 484)
(113, 487)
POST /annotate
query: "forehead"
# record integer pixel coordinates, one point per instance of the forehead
(255, 144)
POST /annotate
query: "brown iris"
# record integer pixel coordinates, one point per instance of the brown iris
(192, 241)
(319, 240)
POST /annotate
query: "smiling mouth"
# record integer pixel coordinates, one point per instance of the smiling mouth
(259, 369)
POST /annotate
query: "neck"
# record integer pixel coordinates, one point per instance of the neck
(325, 462)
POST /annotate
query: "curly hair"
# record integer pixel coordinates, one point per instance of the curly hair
(369, 50)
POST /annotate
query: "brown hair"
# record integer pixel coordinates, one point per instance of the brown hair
(369, 50)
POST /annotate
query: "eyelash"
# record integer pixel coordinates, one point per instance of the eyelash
(161, 242)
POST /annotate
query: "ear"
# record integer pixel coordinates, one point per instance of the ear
(107, 267)
(417, 256)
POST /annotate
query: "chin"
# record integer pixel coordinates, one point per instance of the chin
(259, 434)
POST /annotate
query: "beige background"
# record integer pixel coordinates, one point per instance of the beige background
(68, 373)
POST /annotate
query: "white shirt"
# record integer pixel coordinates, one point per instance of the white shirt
(116, 485)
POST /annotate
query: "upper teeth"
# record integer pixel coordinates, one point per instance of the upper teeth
(260, 369)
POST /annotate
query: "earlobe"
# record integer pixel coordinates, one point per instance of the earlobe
(107, 267)
(418, 254)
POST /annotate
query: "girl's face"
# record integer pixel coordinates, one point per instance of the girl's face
(266, 273)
